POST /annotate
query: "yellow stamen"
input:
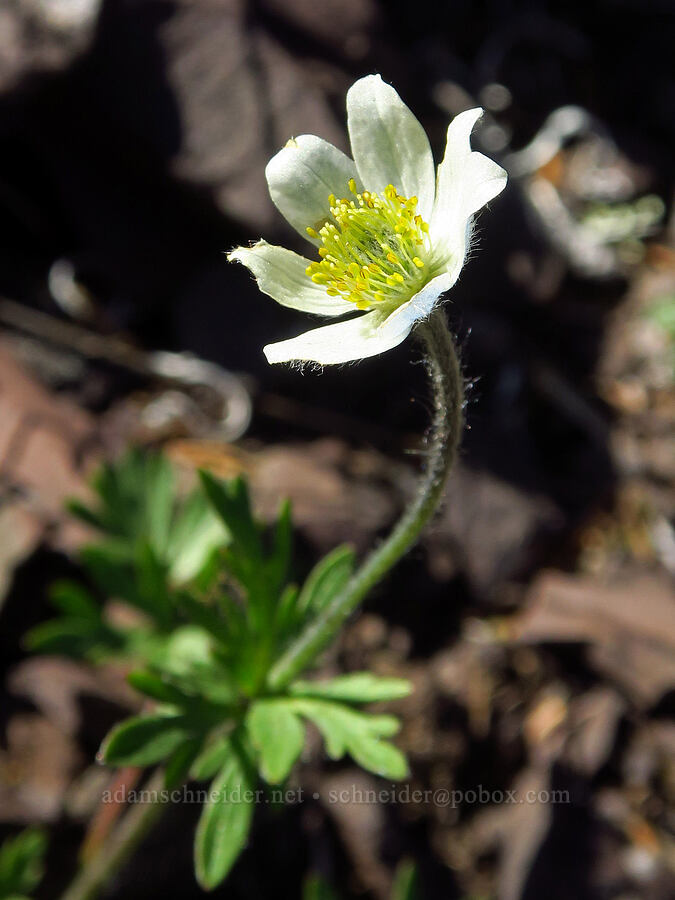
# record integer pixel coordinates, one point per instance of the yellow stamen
(373, 248)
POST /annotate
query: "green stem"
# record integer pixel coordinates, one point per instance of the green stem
(120, 845)
(446, 429)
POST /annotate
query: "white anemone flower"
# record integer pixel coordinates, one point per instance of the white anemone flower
(391, 234)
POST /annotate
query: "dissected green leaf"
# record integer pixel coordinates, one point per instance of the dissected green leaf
(144, 740)
(21, 863)
(225, 821)
(135, 497)
(277, 734)
(356, 687)
(346, 730)
(327, 578)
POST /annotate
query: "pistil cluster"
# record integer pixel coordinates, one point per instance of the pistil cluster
(374, 248)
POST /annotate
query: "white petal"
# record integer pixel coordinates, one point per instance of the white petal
(466, 181)
(388, 143)
(366, 335)
(303, 175)
(280, 274)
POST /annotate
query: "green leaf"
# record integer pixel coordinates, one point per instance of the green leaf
(207, 617)
(357, 687)
(152, 584)
(179, 763)
(212, 758)
(210, 681)
(346, 730)
(406, 882)
(78, 638)
(21, 862)
(231, 501)
(155, 686)
(110, 566)
(278, 564)
(286, 612)
(225, 821)
(188, 646)
(315, 888)
(74, 600)
(84, 514)
(327, 578)
(278, 735)
(380, 757)
(135, 499)
(195, 534)
(159, 499)
(144, 740)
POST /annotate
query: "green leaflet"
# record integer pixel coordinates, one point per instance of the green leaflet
(144, 740)
(406, 882)
(277, 734)
(356, 687)
(327, 578)
(315, 888)
(225, 821)
(346, 730)
(212, 758)
(21, 863)
(179, 763)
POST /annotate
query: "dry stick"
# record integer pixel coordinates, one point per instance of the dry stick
(121, 844)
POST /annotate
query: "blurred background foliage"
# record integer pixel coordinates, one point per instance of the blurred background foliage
(536, 619)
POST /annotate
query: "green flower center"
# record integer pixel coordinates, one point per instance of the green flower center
(373, 248)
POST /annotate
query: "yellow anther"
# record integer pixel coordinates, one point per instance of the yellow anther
(369, 248)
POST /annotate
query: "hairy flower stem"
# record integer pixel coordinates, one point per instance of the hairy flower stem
(120, 845)
(446, 429)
